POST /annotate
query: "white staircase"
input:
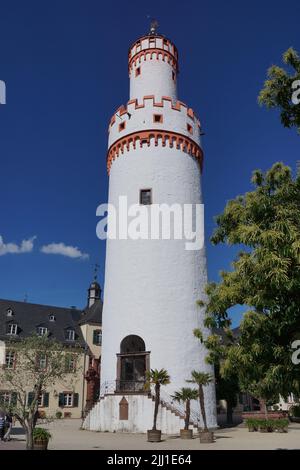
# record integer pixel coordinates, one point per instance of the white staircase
(104, 416)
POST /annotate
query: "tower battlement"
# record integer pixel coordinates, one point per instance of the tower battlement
(176, 122)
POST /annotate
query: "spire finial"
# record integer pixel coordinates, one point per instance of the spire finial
(153, 25)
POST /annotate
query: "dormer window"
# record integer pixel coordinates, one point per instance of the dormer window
(42, 331)
(12, 329)
(70, 335)
(9, 312)
(52, 318)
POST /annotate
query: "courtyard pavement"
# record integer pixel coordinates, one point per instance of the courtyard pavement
(67, 435)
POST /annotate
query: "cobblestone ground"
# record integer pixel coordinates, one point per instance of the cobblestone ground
(14, 444)
(67, 435)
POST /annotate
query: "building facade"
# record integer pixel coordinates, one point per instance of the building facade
(80, 332)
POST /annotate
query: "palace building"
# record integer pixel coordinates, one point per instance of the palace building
(79, 330)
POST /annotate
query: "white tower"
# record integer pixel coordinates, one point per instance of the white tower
(151, 286)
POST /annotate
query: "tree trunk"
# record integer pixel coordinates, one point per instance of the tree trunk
(229, 412)
(202, 407)
(157, 400)
(263, 406)
(187, 415)
(29, 437)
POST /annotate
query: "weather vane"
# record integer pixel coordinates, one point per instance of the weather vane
(153, 25)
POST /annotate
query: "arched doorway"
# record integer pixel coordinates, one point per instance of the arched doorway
(133, 362)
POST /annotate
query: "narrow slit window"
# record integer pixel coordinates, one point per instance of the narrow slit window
(189, 128)
(146, 197)
(158, 118)
(122, 126)
(173, 75)
(138, 71)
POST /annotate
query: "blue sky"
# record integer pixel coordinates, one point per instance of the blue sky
(65, 68)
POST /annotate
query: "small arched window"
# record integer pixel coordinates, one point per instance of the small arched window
(132, 344)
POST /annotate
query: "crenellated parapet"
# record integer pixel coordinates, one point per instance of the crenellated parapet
(154, 137)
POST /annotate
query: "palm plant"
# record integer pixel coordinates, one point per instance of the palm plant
(185, 395)
(157, 378)
(201, 379)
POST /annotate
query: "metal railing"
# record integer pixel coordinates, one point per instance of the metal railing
(130, 386)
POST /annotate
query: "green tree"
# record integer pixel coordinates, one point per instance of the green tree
(185, 395)
(279, 89)
(157, 378)
(202, 379)
(265, 277)
(40, 362)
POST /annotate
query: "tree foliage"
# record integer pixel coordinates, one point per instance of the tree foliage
(278, 90)
(265, 278)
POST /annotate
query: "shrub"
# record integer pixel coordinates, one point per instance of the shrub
(252, 424)
(281, 425)
(58, 415)
(295, 411)
(41, 434)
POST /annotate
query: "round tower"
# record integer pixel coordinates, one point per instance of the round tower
(152, 286)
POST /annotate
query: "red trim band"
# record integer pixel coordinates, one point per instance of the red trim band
(180, 141)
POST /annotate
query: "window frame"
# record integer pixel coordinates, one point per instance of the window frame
(158, 118)
(14, 327)
(122, 126)
(144, 190)
(97, 332)
(189, 128)
(70, 330)
(13, 364)
(39, 358)
(42, 331)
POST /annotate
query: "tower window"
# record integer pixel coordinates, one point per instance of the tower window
(146, 197)
(173, 75)
(158, 118)
(138, 71)
(122, 126)
(189, 128)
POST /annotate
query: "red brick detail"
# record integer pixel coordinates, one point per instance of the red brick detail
(153, 53)
(177, 107)
(168, 48)
(172, 139)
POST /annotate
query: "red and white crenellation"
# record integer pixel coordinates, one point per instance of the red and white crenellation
(156, 123)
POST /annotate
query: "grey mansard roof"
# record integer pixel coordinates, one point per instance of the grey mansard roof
(29, 317)
(92, 314)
